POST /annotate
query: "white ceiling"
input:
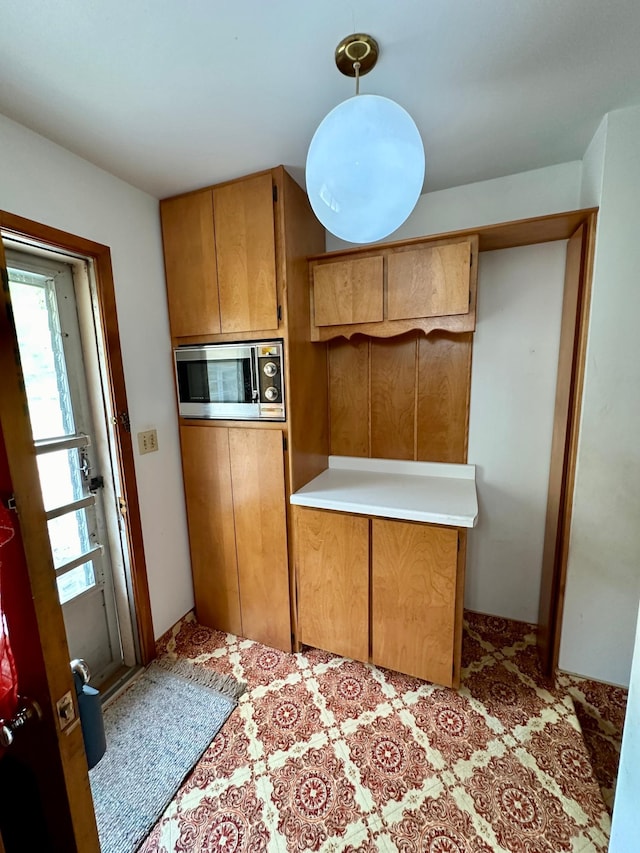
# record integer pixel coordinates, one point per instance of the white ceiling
(171, 95)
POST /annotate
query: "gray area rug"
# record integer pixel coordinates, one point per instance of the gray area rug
(156, 732)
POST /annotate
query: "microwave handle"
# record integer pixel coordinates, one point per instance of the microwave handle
(253, 364)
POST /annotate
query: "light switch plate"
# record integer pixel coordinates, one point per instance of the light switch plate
(148, 441)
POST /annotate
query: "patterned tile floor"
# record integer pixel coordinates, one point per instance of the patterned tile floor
(600, 709)
(327, 754)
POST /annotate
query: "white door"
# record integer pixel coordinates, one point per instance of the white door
(72, 474)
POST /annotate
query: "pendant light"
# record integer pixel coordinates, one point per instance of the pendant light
(365, 164)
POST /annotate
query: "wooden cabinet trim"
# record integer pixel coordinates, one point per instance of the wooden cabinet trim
(305, 362)
(569, 389)
(395, 328)
(459, 609)
(208, 423)
(502, 235)
(237, 180)
(227, 337)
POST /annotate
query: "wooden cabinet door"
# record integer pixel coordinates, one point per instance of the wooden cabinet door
(332, 574)
(429, 282)
(257, 472)
(413, 599)
(190, 264)
(346, 292)
(209, 499)
(246, 253)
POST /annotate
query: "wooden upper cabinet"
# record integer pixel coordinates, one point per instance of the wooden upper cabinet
(190, 264)
(393, 289)
(246, 253)
(348, 292)
(429, 282)
(220, 259)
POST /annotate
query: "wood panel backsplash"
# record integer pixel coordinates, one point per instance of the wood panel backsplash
(392, 398)
(402, 398)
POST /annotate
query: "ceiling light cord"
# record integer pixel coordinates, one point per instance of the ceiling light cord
(356, 68)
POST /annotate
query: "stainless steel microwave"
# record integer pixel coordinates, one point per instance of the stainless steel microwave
(239, 381)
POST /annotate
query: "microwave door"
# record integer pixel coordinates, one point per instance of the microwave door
(217, 387)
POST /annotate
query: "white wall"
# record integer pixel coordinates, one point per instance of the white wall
(603, 577)
(593, 167)
(46, 183)
(553, 189)
(625, 826)
(515, 362)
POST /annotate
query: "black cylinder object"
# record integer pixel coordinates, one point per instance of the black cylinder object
(91, 720)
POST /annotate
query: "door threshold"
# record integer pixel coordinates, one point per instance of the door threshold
(117, 683)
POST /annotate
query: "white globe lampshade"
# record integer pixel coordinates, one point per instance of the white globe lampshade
(365, 168)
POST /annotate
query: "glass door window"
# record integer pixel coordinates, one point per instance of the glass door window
(50, 347)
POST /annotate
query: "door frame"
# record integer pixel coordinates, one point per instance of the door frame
(564, 450)
(62, 755)
(69, 294)
(52, 238)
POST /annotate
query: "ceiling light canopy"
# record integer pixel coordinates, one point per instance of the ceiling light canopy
(365, 165)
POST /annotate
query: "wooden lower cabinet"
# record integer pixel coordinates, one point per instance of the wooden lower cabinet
(259, 508)
(413, 595)
(236, 510)
(385, 591)
(207, 484)
(332, 559)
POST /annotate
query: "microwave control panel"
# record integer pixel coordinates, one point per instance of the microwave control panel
(270, 375)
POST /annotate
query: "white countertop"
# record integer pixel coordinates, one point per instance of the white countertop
(433, 492)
